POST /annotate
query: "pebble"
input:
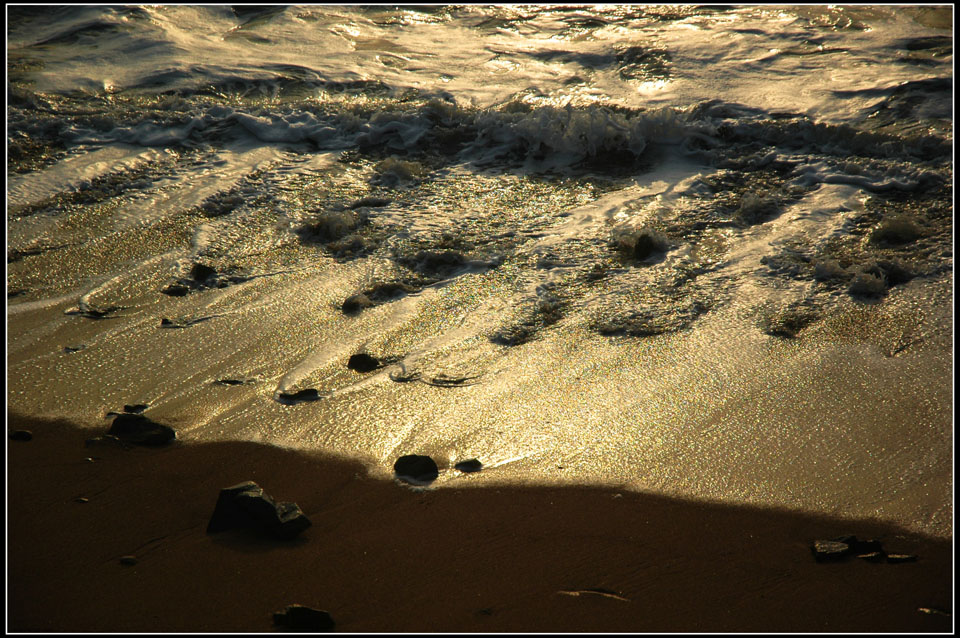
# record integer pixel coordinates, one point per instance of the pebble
(128, 560)
(21, 435)
(470, 465)
(363, 362)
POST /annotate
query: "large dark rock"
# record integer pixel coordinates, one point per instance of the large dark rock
(201, 272)
(138, 429)
(300, 618)
(419, 468)
(363, 362)
(246, 506)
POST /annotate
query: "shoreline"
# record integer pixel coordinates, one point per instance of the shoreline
(381, 557)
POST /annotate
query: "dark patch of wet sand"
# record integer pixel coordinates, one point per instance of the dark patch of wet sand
(384, 558)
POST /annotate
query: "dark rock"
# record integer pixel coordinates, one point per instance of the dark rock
(901, 558)
(21, 435)
(201, 272)
(309, 394)
(646, 245)
(372, 202)
(292, 519)
(229, 381)
(300, 618)
(166, 322)
(471, 465)
(872, 557)
(356, 303)
(416, 467)
(363, 362)
(81, 499)
(824, 551)
(135, 409)
(175, 290)
(138, 429)
(128, 560)
(71, 349)
(246, 506)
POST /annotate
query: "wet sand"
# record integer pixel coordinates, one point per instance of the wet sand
(381, 557)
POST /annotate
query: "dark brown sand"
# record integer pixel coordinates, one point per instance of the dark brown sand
(381, 557)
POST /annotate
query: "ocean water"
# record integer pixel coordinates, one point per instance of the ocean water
(698, 250)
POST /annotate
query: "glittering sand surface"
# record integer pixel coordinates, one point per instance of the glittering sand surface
(381, 557)
(681, 279)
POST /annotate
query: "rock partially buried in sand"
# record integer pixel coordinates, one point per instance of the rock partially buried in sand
(416, 468)
(21, 435)
(309, 394)
(246, 506)
(300, 618)
(470, 465)
(138, 429)
(355, 303)
(825, 551)
(363, 362)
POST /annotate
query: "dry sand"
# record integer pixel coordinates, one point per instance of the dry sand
(382, 557)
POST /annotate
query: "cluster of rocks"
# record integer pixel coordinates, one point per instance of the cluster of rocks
(419, 470)
(201, 277)
(842, 547)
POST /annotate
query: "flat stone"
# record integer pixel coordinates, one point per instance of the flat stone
(872, 557)
(824, 551)
(470, 465)
(21, 435)
(414, 466)
(300, 618)
(309, 394)
(901, 558)
(138, 429)
(363, 362)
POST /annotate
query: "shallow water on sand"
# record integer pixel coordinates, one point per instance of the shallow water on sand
(699, 251)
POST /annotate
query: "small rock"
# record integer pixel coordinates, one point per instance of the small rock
(245, 505)
(356, 303)
(201, 272)
(138, 429)
(82, 499)
(901, 558)
(21, 435)
(829, 550)
(872, 557)
(175, 290)
(300, 618)
(416, 467)
(310, 394)
(363, 362)
(128, 560)
(70, 349)
(471, 465)
(91, 459)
